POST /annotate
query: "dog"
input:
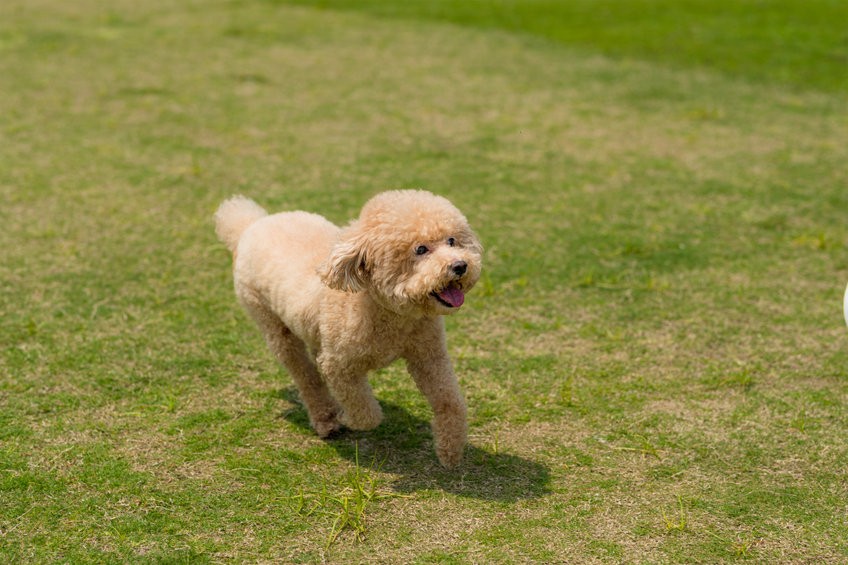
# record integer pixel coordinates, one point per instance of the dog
(335, 303)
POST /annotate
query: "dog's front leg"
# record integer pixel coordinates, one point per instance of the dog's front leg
(349, 386)
(434, 376)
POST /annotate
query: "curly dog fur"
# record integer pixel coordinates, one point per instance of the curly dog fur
(335, 303)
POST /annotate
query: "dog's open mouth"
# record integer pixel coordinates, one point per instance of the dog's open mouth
(450, 296)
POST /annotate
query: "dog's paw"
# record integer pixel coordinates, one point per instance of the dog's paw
(450, 435)
(326, 428)
(449, 456)
(326, 422)
(363, 420)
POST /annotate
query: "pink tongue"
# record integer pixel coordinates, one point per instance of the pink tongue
(452, 296)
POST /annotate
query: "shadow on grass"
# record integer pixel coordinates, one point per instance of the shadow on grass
(403, 445)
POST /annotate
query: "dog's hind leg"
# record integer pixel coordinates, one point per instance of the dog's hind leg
(291, 352)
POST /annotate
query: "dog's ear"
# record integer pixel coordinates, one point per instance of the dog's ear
(473, 242)
(346, 267)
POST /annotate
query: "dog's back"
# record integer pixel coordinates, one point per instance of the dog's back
(275, 257)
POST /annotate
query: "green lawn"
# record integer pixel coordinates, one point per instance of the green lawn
(655, 362)
(799, 42)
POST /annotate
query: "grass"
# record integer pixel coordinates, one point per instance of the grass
(782, 41)
(655, 361)
(345, 503)
(677, 523)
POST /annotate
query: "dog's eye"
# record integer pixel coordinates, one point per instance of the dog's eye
(451, 241)
(421, 250)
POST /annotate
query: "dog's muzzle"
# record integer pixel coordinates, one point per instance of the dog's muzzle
(458, 268)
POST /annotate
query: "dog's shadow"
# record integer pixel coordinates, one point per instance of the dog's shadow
(403, 446)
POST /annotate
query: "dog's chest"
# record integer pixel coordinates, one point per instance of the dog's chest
(364, 338)
(360, 357)
(381, 355)
(384, 345)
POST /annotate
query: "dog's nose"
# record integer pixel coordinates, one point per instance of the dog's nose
(458, 268)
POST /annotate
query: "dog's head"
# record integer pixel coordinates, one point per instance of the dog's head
(410, 249)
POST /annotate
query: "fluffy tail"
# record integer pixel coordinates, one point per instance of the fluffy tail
(233, 217)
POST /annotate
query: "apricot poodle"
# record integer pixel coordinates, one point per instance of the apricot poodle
(334, 303)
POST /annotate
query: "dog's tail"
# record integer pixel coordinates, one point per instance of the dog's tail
(233, 217)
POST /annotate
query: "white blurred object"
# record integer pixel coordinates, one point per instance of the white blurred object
(845, 305)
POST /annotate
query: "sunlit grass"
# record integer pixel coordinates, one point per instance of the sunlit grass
(654, 359)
